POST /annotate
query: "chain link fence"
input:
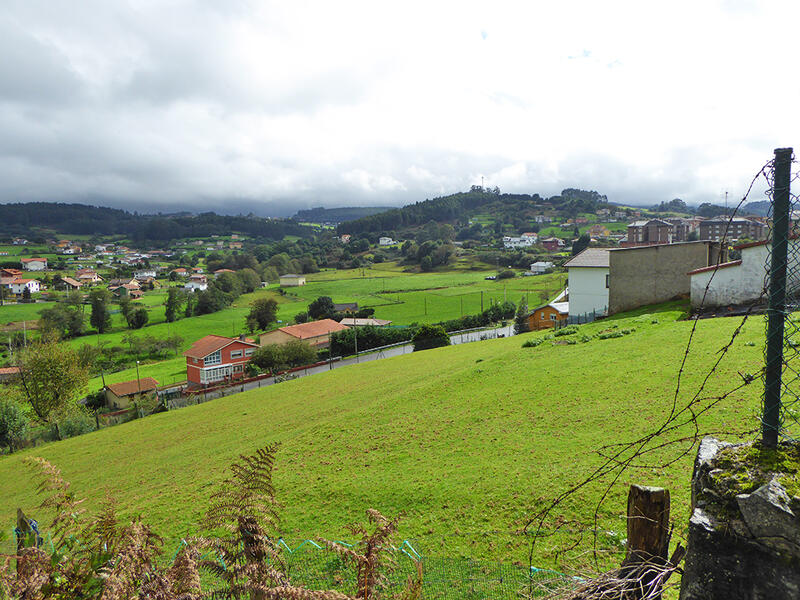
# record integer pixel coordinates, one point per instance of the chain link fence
(781, 400)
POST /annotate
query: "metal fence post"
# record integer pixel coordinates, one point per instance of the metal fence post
(777, 298)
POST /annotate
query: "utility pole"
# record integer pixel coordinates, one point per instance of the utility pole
(462, 305)
(138, 380)
(355, 336)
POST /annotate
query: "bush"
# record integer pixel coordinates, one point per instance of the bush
(532, 343)
(430, 336)
(76, 423)
(506, 274)
(14, 424)
(565, 331)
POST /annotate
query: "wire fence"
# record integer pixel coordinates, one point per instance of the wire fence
(781, 400)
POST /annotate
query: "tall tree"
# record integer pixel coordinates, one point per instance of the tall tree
(175, 297)
(521, 318)
(51, 378)
(263, 311)
(100, 318)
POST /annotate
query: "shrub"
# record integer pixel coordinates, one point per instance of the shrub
(430, 336)
(14, 424)
(532, 343)
(506, 274)
(565, 331)
(76, 423)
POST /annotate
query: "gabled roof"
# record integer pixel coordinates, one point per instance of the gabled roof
(211, 343)
(312, 329)
(71, 281)
(361, 322)
(128, 388)
(294, 275)
(27, 260)
(591, 257)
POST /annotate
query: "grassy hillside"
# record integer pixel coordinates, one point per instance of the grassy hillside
(466, 440)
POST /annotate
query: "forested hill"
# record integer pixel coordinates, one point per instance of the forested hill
(460, 207)
(339, 215)
(25, 219)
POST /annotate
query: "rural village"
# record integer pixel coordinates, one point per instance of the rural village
(374, 301)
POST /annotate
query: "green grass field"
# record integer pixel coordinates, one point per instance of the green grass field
(467, 441)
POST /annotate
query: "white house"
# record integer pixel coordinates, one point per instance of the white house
(518, 242)
(385, 241)
(18, 285)
(541, 267)
(144, 274)
(292, 280)
(740, 281)
(196, 283)
(34, 264)
(588, 281)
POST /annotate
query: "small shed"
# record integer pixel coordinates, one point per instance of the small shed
(121, 395)
(292, 280)
(546, 316)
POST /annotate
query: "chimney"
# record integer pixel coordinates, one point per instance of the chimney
(241, 337)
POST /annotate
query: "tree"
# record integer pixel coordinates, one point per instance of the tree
(580, 244)
(263, 311)
(13, 424)
(51, 378)
(175, 297)
(62, 320)
(26, 294)
(298, 353)
(521, 318)
(125, 307)
(321, 308)
(249, 280)
(269, 357)
(138, 318)
(430, 336)
(100, 318)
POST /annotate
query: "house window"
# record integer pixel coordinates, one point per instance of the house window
(606, 280)
(237, 368)
(543, 317)
(553, 317)
(214, 358)
(236, 354)
(249, 352)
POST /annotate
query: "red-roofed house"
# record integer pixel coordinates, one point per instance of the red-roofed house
(215, 358)
(34, 264)
(10, 273)
(316, 333)
(120, 395)
(18, 286)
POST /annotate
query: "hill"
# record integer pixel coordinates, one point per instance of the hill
(468, 440)
(518, 210)
(25, 219)
(338, 215)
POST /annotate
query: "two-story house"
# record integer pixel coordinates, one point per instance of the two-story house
(215, 358)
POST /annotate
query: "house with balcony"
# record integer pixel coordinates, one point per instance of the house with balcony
(216, 359)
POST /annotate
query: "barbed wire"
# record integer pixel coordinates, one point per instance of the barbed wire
(618, 458)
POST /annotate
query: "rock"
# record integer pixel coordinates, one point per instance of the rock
(769, 518)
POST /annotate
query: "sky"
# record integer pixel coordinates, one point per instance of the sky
(268, 107)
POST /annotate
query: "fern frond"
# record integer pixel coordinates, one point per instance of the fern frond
(59, 498)
(133, 563)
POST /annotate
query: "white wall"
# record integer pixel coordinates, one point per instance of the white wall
(743, 283)
(587, 290)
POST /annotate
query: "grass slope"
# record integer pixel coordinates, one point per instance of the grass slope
(466, 440)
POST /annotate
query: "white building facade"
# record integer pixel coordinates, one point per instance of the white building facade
(588, 282)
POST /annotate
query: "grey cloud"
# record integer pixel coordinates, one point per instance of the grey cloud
(33, 72)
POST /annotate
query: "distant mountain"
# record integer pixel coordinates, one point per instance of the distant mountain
(28, 219)
(338, 215)
(760, 208)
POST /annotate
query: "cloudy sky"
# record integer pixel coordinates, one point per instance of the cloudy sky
(232, 105)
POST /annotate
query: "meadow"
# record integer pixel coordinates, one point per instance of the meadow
(467, 441)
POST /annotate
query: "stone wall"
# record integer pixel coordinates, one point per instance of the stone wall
(744, 533)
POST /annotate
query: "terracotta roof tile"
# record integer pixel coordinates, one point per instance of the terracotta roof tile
(211, 343)
(126, 388)
(312, 329)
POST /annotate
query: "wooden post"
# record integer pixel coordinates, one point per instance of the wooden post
(648, 524)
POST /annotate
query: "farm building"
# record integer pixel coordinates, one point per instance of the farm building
(292, 280)
(122, 395)
(316, 333)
